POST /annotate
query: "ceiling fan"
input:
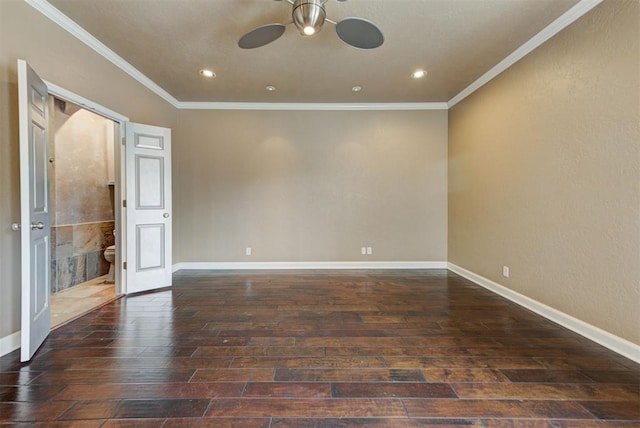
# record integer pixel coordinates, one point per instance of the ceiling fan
(309, 16)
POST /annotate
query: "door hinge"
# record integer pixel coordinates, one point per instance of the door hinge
(124, 265)
(124, 203)
(124, 140)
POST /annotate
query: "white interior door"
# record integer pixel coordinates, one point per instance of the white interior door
(148, 207)
(34, 207)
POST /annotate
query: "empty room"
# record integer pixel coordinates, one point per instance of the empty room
(320, 213)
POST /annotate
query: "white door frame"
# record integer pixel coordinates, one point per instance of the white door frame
(119, 157)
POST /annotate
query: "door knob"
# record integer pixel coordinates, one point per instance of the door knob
(39, 225)
(165, 215)
(15, 227)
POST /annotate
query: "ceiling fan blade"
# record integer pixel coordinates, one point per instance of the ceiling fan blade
(261, 36)
(359, 33)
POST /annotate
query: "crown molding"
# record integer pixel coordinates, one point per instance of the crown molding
(85, 37)
(81, 34)
(549, 31)
(310, 106)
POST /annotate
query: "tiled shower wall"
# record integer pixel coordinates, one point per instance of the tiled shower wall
(77, 253)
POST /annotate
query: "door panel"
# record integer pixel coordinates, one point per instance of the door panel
(39, 169)
(148, 170)
(150, 238)
(41, 277)
(150, 182)
(34, 211)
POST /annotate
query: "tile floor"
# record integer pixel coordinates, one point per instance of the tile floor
(73, 302)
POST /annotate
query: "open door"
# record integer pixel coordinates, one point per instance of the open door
(148, 207)
(34, 211)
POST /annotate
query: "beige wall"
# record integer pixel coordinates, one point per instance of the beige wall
(544, 173)
(59, 58)
(310, 186)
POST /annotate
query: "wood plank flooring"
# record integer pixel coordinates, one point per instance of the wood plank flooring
(318, 349)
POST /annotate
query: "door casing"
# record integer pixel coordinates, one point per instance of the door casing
(119, 213)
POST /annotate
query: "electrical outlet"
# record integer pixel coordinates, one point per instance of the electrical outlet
(505, 271)
(247, 251)
(369, 251)
(363, 251)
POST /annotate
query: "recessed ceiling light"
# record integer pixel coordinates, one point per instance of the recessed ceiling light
(270, 88)
(356, 88)
(418, 74)
(207, 73)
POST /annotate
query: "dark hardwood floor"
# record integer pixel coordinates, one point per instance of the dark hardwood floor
(318, 349)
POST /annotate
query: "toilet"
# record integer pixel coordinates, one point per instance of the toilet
(110, 256)
(110, 251)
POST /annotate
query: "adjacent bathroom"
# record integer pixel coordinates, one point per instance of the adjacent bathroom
(82, 184)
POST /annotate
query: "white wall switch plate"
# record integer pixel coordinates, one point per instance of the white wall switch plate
(505, 271)
(247, 251)
(369, 251)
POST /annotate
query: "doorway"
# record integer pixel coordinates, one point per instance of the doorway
(82, 178)
(143, 184)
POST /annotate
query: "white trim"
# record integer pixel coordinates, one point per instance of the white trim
(83, 102)
(306, 265)
(551, 30)
(85, 37)
(310, 106)
(81, 34)
(9, 343)
(616, 344)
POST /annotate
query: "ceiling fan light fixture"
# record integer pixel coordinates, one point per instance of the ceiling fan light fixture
(308, 16)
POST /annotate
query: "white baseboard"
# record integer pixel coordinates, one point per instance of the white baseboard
(306, 265)
(616, 344)
(9, 343)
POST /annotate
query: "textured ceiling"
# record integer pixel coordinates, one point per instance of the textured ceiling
(456, 41)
